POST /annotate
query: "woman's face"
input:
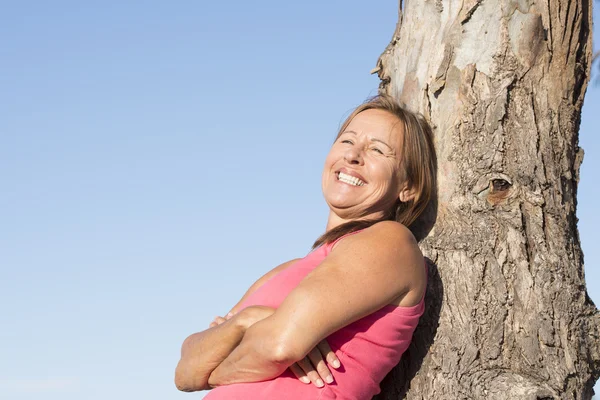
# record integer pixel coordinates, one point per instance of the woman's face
(362, 175)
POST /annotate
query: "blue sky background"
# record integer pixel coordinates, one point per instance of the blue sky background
(156, 158)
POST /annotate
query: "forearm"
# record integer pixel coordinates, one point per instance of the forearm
(258, 357)
(202, 352)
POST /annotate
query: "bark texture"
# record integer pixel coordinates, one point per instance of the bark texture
(502, 82)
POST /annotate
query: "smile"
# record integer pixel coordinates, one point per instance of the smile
(351, 180)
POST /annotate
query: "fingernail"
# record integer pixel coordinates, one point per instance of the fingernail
(329, 379)
(336, 364)
(304, 380)
(319, 383)
(229, 315)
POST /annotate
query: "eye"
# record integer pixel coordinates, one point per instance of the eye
(348, 141)
(375, 149)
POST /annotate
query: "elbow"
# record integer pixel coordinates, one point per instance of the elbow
(183, 386)
(284, 352)
(271, 346)
(186, 376)
(181, 380)
(185, 379)
(186, 387)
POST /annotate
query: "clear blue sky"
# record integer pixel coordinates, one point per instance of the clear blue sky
(156, 158)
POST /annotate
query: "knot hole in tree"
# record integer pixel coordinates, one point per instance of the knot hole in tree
(499, 191)
(495, 189)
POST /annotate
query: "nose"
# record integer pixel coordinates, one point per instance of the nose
(354, 156)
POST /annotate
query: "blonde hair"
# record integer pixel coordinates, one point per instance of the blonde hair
(419, 164)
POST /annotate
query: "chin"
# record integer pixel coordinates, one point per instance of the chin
(345, 209)
(339, 201)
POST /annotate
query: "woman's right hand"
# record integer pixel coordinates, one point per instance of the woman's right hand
(313, 368)
(246, 317)
(252, 314)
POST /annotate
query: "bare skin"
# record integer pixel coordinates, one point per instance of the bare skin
(370, 148)
(362, 178)
(202, 352)
(319, 307)
(199, 355)
(314, 368)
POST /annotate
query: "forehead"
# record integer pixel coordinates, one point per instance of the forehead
(378, 124)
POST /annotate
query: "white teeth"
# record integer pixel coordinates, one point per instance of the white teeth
(352, 180)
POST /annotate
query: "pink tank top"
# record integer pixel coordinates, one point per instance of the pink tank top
(367, 349)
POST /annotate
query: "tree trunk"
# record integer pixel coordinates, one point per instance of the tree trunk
(502, 82)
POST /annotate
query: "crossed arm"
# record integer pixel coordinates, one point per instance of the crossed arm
(382, 263)
(202, 352)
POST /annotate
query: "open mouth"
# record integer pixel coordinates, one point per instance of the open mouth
(349, 179)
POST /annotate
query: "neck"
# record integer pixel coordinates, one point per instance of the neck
(334, 220)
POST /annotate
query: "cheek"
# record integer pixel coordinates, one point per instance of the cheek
(384, 172)
(328, 165)
(330, 160)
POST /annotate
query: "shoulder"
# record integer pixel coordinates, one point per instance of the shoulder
(394, 230)
(387, 248)
(384, 235)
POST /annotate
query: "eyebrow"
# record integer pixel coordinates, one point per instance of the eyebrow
(372, 140)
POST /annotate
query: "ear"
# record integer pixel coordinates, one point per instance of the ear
(407, 194)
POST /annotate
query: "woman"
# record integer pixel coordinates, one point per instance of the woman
(352, 303)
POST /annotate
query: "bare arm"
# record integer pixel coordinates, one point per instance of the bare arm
(382, 263)
(313, 368)
(202, 352)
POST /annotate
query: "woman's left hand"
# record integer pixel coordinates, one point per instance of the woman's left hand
(313, 368)
(219, 320)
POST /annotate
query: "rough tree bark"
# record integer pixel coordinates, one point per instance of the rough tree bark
(502, 82)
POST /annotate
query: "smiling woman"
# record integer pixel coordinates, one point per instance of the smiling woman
(399, 146)
(341, 317)
(362, 176)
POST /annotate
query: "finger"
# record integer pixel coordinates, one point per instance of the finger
(216, 321)
(300, 374)
(329, 354)
(310, 372)
(316, 358)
